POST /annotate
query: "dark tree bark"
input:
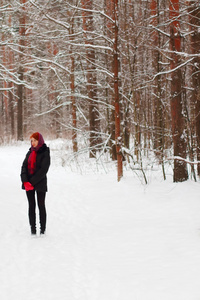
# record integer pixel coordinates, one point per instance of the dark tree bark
(10, 92)
(73, 100)
(118, 139)
(177, 110)
(194, 17)
(109, 10)
(157, 91)
(88, 28)
(20, 88)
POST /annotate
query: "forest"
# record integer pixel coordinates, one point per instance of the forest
(120, 77)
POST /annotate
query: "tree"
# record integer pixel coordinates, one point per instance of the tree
(88, 28)
(20, 88)
(73, 101)
(194, 18)
(118, 138)
(157, 89)
(177, 110)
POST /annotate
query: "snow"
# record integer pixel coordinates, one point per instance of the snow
(105, 240)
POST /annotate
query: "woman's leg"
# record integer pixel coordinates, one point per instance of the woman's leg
(31, 210)
(42, 210)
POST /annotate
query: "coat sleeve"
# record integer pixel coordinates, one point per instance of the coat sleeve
(41, 173)
(24, 177)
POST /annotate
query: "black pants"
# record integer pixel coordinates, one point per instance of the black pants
(42, 209)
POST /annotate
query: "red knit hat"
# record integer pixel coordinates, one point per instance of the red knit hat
(35, 135)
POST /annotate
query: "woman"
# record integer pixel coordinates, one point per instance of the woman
(34, 180)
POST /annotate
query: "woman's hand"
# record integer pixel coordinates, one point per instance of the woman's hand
(28, 186)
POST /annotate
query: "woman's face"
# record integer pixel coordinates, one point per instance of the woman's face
(34, 142)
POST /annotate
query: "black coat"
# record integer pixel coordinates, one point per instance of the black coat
(39, 178)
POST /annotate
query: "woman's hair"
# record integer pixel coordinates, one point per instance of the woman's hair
(35, 135)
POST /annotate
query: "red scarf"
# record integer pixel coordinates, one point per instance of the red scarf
(33, 155)
(32, 162)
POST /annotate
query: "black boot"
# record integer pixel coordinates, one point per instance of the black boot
(42, 231)
(33, 230)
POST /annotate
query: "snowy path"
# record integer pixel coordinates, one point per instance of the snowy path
(105, 240)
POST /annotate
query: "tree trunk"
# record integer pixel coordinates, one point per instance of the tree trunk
(118, 139)
(88, 27)
(158, 107)
(20, 88)
(20, 105)
(178, 122)
(109, 9)
(10, 86)
(74, 121)
(72, 87)
(194, 17)
(5, 87)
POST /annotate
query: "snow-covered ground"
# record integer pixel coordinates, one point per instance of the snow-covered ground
(105, 240)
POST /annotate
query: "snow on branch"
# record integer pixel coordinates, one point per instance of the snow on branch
(63, 24)
(41, 59)
(90, 46)
(92, 11)
(13, 78)
(184, 54)
(183, 159)
(69, 102)
(159, 30)
(54, 108)
(169, 71)
(6, 89)
(5, 8)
